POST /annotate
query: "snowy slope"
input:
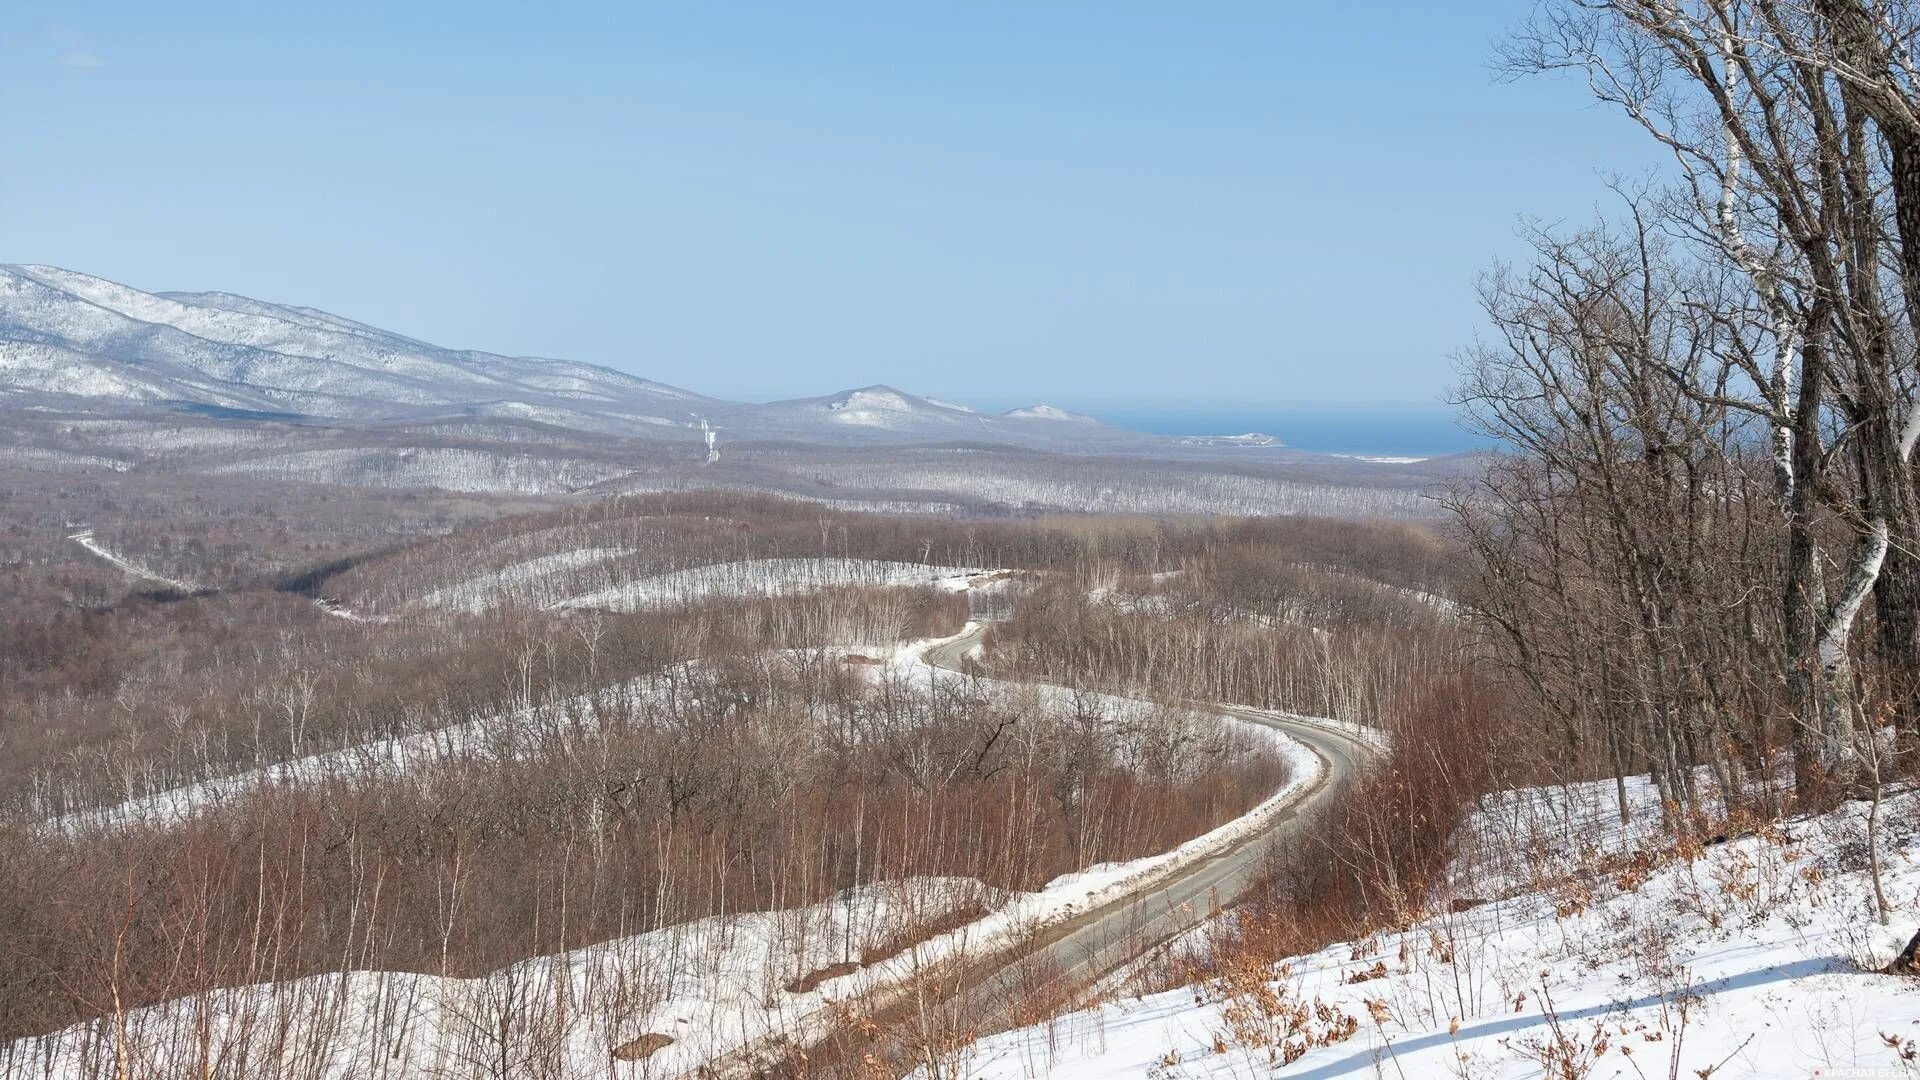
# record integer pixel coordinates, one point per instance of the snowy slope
(70, 337)
(882, 413)
(62, 332)
(708, 986)
(1625, 955)
(770, 577)
(1045, 412)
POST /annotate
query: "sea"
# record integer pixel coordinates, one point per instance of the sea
(1384, 429)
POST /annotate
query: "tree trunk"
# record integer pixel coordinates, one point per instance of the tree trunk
(1896, 606)
(1875, 91)
(1805, 594)
(1838, 750)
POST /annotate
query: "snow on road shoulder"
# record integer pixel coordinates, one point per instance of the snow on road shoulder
(732, 983)
(1069, 895)
(731, 1003)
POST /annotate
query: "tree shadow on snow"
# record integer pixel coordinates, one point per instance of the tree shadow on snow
(1367, 1061)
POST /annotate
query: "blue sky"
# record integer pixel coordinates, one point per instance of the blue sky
(1085, 203)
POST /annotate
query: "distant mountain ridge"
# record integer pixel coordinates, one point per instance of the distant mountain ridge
(75, 341)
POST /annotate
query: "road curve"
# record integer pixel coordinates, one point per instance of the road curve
(1099, 941)
(1072, 954)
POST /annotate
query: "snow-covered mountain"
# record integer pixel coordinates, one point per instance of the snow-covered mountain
(70, 334)
(77, 341)
(882, 408)
(1046, 412)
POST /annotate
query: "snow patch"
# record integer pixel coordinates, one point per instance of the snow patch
(85, 539)
(1746, 958)
(478, 594)
(770, 577)
(1382, 459)
(1043, 412)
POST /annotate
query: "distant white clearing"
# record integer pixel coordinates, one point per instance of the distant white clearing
(477, 594)
(1382, 459)
(85, 539)
(770, 577)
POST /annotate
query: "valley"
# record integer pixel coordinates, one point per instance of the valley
(432, 711)
(960, 542)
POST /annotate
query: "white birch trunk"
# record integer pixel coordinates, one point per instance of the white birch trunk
(1836, 666)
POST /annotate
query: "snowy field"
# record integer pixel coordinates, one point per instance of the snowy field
(530, 580)
(1148, 490)
(446, 468)
(770, 577)
(1633, 956)
(375, 759)
(34, 457)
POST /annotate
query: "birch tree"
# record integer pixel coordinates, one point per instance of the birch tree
(1778, 120)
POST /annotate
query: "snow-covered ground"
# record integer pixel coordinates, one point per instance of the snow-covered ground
(86, 539)
(1627, 955)
(1058, 485)
(1382, 459)
(708, 986)
(1045, 412)
(447, 468)
(771, 577)
(35, 457)
(374, 759)
(601, 998)
(476, 594)
(540, 581)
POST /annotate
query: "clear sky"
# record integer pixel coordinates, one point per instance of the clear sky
(1075, 202)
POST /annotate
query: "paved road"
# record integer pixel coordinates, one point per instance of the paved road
(1100, 941)
(1073, 954)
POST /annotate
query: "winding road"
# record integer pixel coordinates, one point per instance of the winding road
(1100, 941)
(1073, 954)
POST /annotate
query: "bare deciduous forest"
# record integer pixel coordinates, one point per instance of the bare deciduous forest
(312, 761)
(469, 762)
